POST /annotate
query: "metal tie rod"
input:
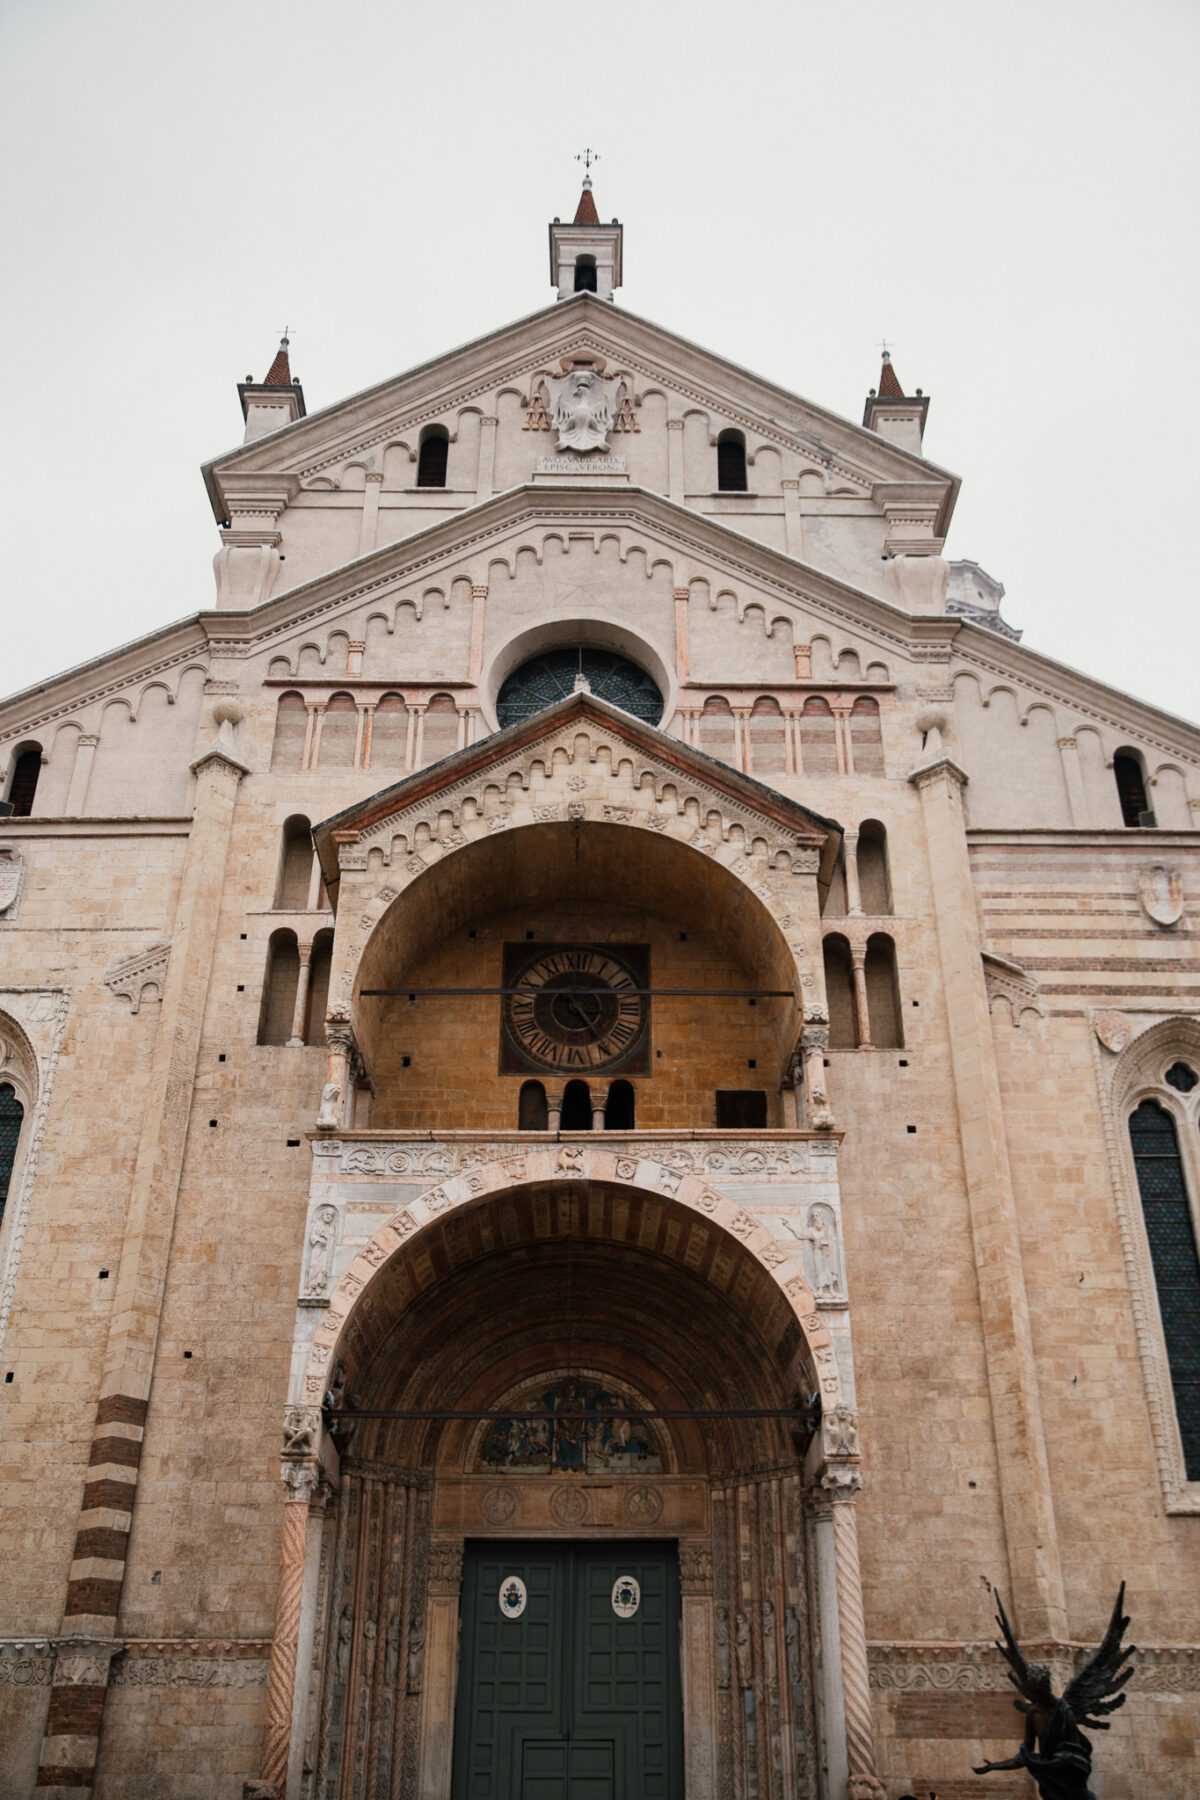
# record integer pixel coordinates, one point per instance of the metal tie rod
(646, 993)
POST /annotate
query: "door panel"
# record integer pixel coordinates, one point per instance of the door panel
(569, 1701)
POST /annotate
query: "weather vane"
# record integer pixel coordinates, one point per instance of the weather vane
(587, 158)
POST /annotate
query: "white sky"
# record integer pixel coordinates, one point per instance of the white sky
(1008, 193)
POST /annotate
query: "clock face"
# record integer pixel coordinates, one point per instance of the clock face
(575, 1008)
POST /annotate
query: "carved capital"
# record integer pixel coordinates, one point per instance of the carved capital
(943, 767)
(840, 1481)
(300, 1481)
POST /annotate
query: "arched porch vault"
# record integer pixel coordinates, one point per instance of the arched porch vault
(582, 798)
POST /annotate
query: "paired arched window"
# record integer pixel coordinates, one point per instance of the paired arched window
(23, 785)
(319, 967)
(585, 275)
(1169, 1216)
(731, 462)
(1130, 775)
(12, 1114)
(883, 993)
(279, 989)
(862, 991)
(839, 993)
(433, 457)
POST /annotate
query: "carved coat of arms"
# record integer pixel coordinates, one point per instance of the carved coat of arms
(583, 406)
(1160, 891)
(12, 868)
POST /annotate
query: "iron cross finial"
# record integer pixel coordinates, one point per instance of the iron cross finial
(885, 346)
(587, 157)
(285, 340)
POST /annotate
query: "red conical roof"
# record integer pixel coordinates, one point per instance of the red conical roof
(585, 212)
(889, 386)
(279, 374)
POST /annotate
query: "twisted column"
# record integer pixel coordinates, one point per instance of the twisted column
(841, 1485)
(300, 1480)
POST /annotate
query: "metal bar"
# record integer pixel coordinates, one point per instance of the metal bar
(646, 993)
(346, 1413)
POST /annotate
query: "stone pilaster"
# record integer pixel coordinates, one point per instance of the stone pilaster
(300, 1480)
(1033, 1563)
(71, 1739)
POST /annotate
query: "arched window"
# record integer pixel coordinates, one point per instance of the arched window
(11, 1115)
(440, 737)
(389, 733)
(294, 882)
(576, 1108)
(618, 1108)
(291, 726)
(717, 730)
(585, 275)
(866, 736)
(532, 1114)
(339, 731)
(279, 989)
(433, 456)
(883, 998)
(818, 745)
(1131, 788)
(1171, 1236)
(23, 786)
(768, 754)
(874, 887)
(835, 900)
(318, 987)
(839, 993)
(731, 462)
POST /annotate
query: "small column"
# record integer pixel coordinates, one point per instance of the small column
(410, 738)
(81, 775)
(682, 645)
(418, 708)
(862, 1016)
(463, 722)
(814, 1041)
(793, 726)
(296, 1041)
(312, 736)
(1068, 749)
(599, 1098)
(335, 1107)
(741, 727)
(479, 594)
(793, 524)
(554, 1101)
(368, 530)
(831, 1712)
(841, 1483)
(841, 739)
(675, 460)
(850, 858)
(354, 656)
(486, 479)
(802, 655)
(362, 736)
(300, 1484)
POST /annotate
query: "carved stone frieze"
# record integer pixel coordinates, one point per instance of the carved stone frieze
(136, 978)
(190, 1672)
(26, 1662)
(696, 1568)
(764, 1161)
(979, 1668)
(445, 1567)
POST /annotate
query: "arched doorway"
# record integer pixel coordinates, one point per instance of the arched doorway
(585, 1383)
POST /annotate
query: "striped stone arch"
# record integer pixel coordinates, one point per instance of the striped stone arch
(562, 1163)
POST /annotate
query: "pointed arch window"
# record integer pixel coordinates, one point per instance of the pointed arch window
(1167, 1212)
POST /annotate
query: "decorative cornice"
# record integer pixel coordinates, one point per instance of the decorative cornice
(941, 766)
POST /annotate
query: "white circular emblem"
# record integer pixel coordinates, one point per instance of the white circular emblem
(626, 1596)
(513, 1596)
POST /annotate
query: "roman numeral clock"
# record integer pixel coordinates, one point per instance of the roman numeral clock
(575, 1009)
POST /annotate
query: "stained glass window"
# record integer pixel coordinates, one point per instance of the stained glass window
(546, 678)
(1172, 1239)
(11, 1114)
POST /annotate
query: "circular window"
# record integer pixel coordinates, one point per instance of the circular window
(544, 679)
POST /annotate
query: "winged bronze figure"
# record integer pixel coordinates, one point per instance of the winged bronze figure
(1055, 1752)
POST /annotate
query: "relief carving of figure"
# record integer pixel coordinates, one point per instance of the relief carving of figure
(791, 1639)
(583, 406)
(745, 1651)
(327, 1118)
(345, 1633)
(391, 1666)
(821, 1258)
(723, 1670)
(322, 1231)
(416, 1655)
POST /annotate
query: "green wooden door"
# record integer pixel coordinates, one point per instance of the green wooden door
(569, 1700)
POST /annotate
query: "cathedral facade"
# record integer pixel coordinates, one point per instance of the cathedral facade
(599, 1096)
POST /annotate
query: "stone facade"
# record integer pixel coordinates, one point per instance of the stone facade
(897, 1334)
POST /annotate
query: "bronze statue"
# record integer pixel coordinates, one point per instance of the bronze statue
(1055, 1751)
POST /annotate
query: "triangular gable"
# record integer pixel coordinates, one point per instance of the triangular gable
(651, 353)
(758, 809)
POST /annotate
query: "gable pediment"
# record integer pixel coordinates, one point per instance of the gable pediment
(312, 452)
(581, 760)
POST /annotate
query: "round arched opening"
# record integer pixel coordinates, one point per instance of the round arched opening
(552, 674)
(598, 636)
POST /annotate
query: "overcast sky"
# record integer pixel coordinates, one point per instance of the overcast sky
(1007, 193)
